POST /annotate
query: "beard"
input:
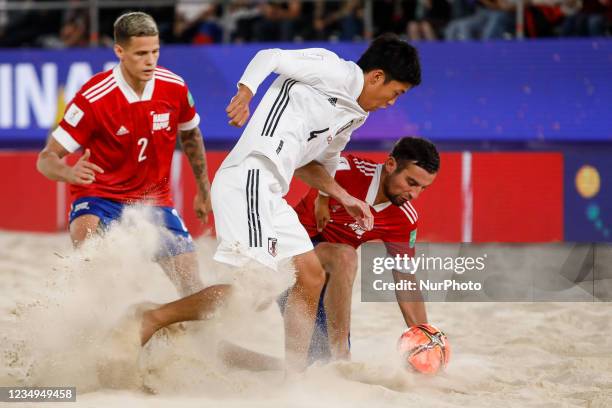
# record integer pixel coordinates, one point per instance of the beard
(395, 199)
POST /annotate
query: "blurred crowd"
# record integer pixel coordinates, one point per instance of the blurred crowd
(239, 21)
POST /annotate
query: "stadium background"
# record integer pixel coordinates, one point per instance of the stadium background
(524, 126)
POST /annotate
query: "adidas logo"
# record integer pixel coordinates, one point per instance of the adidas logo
(333, 101)
(122, 131)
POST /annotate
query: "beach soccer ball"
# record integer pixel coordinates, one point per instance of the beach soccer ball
(424, 348)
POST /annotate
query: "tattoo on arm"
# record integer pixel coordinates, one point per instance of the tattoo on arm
(193, 147)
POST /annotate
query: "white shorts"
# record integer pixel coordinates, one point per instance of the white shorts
(252, 219)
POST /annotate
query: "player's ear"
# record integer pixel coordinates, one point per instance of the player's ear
(375, 77)
(379, 76)
(118, 51)
(390, 164)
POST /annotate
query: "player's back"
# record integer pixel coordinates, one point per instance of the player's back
(298, 119)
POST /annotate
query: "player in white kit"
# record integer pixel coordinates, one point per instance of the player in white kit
(303, 122)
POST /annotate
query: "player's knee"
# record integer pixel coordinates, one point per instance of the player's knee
(83, 228)
(312, 279)
(346, 261)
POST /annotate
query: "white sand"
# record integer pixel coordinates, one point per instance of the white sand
(57, 308)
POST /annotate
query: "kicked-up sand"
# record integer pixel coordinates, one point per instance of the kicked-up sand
(67, 319)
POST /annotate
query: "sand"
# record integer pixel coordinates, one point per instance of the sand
(58, 309)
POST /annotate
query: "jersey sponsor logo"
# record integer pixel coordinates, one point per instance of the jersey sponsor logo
(160, 121)
(272, 246)
(81, 206)
(333, 101)
(73, 115)
(122, 131)
(315, 133)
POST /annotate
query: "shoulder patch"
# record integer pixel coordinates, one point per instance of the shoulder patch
(73, 115)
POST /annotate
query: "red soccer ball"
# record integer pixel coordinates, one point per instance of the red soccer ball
(424, 348)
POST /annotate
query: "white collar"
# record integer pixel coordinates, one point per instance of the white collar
(373, 190)
(127, 90)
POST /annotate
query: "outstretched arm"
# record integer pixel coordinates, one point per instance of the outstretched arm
(410, 303)
(193, 147)
(315, 175)
(312, 66)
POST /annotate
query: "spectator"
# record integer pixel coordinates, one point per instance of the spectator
(25, 27)
(392, 16)
(430, 18)
(75, 24)
(587, 18)
(197, 23)
(279, 21)
(337, 20)
(461, 8)
(492, 20)
(542, 18)
(241, 19)
(3, 17)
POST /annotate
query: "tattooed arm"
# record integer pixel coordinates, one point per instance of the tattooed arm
(193, 147)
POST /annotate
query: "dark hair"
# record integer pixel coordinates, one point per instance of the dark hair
(398, 59)
(420, 152)
(134, 24)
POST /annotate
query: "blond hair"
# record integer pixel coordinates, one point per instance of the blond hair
(134, 24)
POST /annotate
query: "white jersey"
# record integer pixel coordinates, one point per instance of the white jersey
(308, 113)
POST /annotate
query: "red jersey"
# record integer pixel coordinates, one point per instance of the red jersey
(131, 138)
(395, 226)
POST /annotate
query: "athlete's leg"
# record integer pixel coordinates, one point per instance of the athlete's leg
(240, 357)
(340, 262)
(83, 227)
(199, 306)
(301, 308)
(177, 257)
(183, 271)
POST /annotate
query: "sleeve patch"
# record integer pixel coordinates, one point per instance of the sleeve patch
(190, 99)
(413, 236)
(73, 115)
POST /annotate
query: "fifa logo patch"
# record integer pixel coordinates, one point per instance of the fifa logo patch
(160, 121)
(272, 246)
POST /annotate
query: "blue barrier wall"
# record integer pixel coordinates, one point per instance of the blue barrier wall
(500, 91)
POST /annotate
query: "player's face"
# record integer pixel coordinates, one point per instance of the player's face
(139, 57)
(378, 94)
(405, 184)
